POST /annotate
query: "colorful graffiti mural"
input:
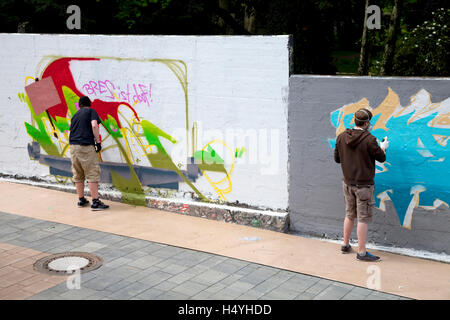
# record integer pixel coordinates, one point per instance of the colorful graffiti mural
(417, 169)
(144, 162)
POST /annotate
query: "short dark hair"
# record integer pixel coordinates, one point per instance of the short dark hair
(362, 116)
(84, 102)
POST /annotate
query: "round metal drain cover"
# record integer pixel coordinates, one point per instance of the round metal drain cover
(67, 262)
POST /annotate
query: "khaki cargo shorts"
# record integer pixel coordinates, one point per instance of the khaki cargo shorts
(85, 164)
(359, 202)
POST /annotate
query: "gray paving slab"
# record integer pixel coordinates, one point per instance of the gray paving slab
(129, 291)
(227, 267)
(16, 241)
(99, 295)
(171, 266)
(196, 270)
(266, 286)
(150, 294)
(57, 228)
(209, 277)
(166, 285)
(142, 270)
(131, 245)
(134, 255)
(252, 278)
(122, 272)
(363, 292)
(251, 295)
(90, 247)
(352, 296)
(279, 294)
(155, 278)
(226, 294)
(189, 288)
(11, 236)
(332, 292)
(305, 296)
(26, 224)
(38, 235)
(317, 287)
(181, 277)
(46, 295)
(166, 252)
(170, 295)
(101, 282)
(240, 286)
(142, 274)
(77, 294)
(117, 262)
(202, 295)
(144, 261)
(248, 269)
(215, 287)
(232, 278)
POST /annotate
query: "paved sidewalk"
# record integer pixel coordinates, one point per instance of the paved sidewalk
(142, 270)
(49, 221)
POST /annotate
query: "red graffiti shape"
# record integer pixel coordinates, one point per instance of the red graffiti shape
(59, 70)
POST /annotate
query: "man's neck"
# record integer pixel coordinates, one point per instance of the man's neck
(358, 128)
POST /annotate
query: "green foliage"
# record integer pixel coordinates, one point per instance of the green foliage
(424, 51)
(130, 11)
(319, 28)
(112, 127)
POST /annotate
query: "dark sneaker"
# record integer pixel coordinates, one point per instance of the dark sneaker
(97, 205)
(367, 257)
(83, 202)
(346, 249)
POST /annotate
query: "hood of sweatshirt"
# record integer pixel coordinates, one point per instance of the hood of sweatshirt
(353, 137)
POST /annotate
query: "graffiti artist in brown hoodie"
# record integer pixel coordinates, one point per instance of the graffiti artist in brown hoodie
(356, 150)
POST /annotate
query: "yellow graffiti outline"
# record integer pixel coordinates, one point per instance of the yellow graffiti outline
(221, 192)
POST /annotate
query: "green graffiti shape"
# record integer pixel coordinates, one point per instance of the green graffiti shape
(131, 189)
(71, 100)
(161, 158)
(112, 127)
(209, 160)
(62, 124)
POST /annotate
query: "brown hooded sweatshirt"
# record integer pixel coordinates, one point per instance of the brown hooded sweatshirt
(356, 150)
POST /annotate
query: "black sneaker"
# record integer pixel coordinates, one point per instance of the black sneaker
(367, 257)
(83, 202)
(97, 205)
(346, 249)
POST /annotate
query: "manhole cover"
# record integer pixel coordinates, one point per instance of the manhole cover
(68, 262)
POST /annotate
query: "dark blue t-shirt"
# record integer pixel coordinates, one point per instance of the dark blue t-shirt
(81, 127)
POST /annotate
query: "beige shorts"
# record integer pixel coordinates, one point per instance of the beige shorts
(359, 202)
(85, 165)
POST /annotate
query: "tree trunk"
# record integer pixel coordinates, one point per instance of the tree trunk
(389, 50)
(21, 28)
(225, 5)
(250, 19)
(363, 67)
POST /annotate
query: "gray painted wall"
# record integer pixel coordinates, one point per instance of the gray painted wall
(316, 202)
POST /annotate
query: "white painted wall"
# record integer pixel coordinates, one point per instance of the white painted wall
(235, 83)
